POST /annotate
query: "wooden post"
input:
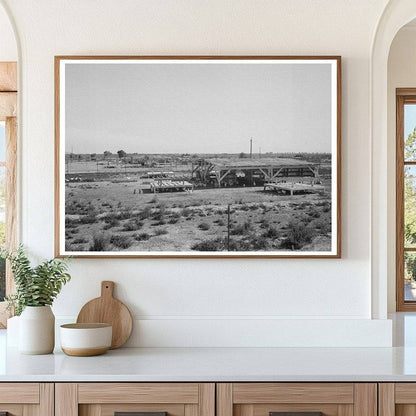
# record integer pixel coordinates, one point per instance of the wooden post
(228, 228)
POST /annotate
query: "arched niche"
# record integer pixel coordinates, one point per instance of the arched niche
(396, 14)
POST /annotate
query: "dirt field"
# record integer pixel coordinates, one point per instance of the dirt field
(116, 216)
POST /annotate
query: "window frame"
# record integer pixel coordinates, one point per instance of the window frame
(8, 113)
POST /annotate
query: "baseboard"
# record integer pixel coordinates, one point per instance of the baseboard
(247, 332)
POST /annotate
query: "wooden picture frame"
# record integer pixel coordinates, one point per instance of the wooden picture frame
(156, 115)
(404, 96)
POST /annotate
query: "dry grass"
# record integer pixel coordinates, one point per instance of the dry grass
(115, 217)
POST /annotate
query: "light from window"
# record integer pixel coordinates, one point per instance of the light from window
(2, 207)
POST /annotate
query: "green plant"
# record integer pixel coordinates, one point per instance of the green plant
(35, 286)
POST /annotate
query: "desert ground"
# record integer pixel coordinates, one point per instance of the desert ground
(118, 213)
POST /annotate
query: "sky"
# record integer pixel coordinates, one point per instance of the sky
(197, 108)
(409, 119)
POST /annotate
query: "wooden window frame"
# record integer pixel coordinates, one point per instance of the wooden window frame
(8, 113)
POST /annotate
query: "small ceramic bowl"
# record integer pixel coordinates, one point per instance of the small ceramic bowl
(84, 340)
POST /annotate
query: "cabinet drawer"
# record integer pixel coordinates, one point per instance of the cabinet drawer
(297, 399)
(22, 399)
(152, 399)
(397, 399)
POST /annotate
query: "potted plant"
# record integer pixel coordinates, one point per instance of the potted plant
(36, 289)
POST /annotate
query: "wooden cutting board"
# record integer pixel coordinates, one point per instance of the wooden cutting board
(107, 309)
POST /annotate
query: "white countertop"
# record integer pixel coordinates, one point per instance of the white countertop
(213, 364)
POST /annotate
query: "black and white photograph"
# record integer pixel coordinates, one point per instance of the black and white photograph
(198, 157)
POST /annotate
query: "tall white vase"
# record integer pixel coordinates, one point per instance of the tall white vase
(37, 330)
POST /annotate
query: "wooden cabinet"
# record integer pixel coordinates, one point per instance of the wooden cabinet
(27, 399)
(297, 399)
(107, 399)
(208, 399)
(397, 399)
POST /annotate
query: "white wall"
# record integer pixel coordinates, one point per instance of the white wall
(401, 74)
(8, 47)
(181, 301)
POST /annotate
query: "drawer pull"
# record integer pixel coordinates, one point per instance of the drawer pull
(138, 414)
(296, 414)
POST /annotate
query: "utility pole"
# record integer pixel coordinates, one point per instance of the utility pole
(228, 228)
(251, 148)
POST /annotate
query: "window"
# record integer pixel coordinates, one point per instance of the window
(406, 199)
(8, 171)
(2, 206)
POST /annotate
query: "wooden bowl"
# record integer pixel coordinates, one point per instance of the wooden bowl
(85, 340)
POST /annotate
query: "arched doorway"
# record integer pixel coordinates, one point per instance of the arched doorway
(396, 14)
(8, 149)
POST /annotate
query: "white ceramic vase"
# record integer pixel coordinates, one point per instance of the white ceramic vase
(13, 331)
(37, 330)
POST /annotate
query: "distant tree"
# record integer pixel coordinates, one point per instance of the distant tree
(121, 154)
(242, 155)
(93, 156)
(410, 146)
(107, 153)
(410, 190)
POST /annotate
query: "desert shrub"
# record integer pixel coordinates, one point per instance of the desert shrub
(298, 234)
(253, 207)
(113, 223)
(186, 212)
(219, 222)
(264, 223)
(73, 247)
(218, 244)
(271, 232)
(132, 225)
(121, 241)
(173, 221)
(154, 200)
(89, 218)
(242, 229)
(145, 213)
(142, 237)
(258, 243)
(204, 226)
(244, 207)
(99, 243)
(314, 213)
(239, 245)
(323, 226)
(161, 231)
(176, 215)
(71, 223)
(326, 207)
(80, 240)
(159, 214)
(125, 214)
(110, 217)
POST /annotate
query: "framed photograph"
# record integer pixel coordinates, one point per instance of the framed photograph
(198, 156)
